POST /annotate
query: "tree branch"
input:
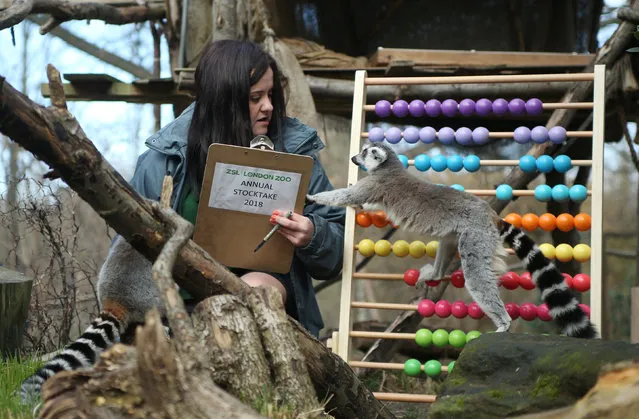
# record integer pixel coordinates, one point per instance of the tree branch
(629, 15)
(15, 14)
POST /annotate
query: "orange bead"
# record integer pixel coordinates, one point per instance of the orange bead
(514, 219)
(565, 222)
(547, 222)
(363, 219)
(582, 221)
(379, 219)
(530, 221)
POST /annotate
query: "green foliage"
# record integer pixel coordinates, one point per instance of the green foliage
(12, 372)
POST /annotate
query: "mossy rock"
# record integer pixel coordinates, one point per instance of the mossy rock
(508, 374)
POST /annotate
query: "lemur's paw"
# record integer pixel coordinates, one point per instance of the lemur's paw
(426, 273)
(503, 328)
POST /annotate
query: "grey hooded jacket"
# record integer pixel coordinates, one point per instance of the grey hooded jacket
(320, 259)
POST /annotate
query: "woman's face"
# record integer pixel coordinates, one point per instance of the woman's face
(260, 106)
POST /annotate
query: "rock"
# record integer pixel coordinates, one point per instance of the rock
(508, 374)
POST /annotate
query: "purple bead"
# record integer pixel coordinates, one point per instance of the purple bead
(539, 134)
(376, 134)
(517, 106)
(400, 108)
(449, 107)
(411, 135)
(483, 107)
(427, 135)
(521, 135)
(464, 136)
(382, 108)
(446, 135)
(534, 106)
(480, 135)
(500, 106)
(416, 108)
(393, 135)
(557, 134)
(467, 107)
(433, 108)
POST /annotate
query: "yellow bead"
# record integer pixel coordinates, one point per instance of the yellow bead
(581, 252)
(366, 247)
(382, 247)
(417, 249)
(401, 248)
(431, 248)
(548, 250)
(564, 252)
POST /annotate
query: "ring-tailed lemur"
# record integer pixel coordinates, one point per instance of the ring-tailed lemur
(126, 291)
(465, 223)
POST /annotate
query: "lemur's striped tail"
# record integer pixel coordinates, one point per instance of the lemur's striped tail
(563, 305)
(103, 332)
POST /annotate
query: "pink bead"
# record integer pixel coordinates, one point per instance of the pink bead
(426, 308)
(513, 310)
(442, 308)
(475, 311)
(459, 309)
(543, 312)
(585, 309)
(457, 279)
(411, 276)
(526, 282)
(528, 311)
(509, 280)
(581, 282)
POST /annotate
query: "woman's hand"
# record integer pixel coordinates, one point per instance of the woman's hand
(298, 229)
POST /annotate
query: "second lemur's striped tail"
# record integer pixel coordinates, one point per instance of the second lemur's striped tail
(103, 332)
(562, 304)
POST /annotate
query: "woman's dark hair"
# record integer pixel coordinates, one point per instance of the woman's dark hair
(223, 80)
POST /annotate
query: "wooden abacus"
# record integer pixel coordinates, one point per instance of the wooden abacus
(340, 341)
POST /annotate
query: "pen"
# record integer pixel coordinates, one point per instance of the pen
(288, 214)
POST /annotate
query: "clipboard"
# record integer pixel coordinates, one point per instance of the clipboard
(240, 189)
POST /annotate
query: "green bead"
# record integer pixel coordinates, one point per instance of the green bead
(450, 366)
(433, 368)
(457, 338)
(412, 367)
(440, 337)
(424, 338)
(472, 335)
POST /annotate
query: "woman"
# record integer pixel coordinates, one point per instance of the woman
(238, 96)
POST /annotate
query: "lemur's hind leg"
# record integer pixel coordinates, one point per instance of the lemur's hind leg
(477, 259)
(445, 254)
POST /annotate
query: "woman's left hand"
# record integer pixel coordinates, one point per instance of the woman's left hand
(298, 229)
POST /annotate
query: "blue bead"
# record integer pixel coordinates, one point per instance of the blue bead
(411, 135)
(560, 193)
(376, 134)
(393, 135)
(472, 163)
(504, 192)
(404, 160)
(439, 163)
(543, 193)
(455, 163)
(457, 186)
(422, 162)
(528, 164)
(427, 135)
(545, 163)
(562, 163)
(446, 135)
(578, 193)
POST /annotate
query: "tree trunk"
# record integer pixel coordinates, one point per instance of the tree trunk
(225, 25)
(55, 137)
(15, 295)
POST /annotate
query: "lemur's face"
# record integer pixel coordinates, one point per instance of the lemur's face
(370, 157)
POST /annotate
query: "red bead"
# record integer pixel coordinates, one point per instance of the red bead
(442, 308)
(513, 310)
(568, 279)
(475, 311)
(509, 280)
(459, 309)
(526, 282)
(457, 279)
(543, 312)
(411, 276)
(585, 309)
(432, 283)
(528, 311)
(581, 282)
(426, 308)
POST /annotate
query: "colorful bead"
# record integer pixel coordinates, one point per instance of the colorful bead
(433, 108)
(411, 135)
(545, 163)
(464, 136)
(560, 193)
(562, 163)
(400, 108)
(504, 192)
(446, 135)
(439, 163)
(404, 160)
(500, 106)
(412, 367)
(427, 135)
(543, 193)
(483, 107)
(433, 368)
(471, 163)
(539, 134)
(481, 135)
(422, 162)
(416, 108)
(457, 186)
(534, 106)
(578, 193)
(528, 164)
(424, 337)
(383, 108)
(467, 107)
(521, 135)
(376, 134)
(517, 106)
(455, 163)
(393, 135)
(449, 107)
(557, 134)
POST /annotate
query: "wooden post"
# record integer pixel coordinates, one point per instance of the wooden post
(15, 295)
(634, 315)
